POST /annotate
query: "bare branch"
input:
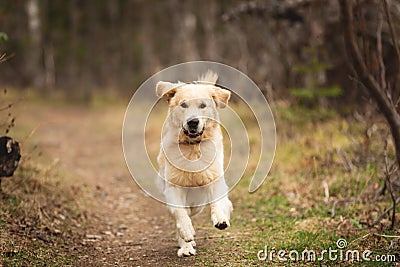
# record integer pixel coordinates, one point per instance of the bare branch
(380, 217)
(365, 43)
(9, 105)
(392, 32)
(362, 71)
(3, 58)
(389, 171)
(382, 71)
(286, 10)
(396, 89)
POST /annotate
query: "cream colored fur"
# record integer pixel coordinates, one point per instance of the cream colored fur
(196, 162)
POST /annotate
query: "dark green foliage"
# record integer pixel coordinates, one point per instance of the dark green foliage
(314, 88)
(3, 37)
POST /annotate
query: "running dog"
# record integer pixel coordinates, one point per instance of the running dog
(191, 155)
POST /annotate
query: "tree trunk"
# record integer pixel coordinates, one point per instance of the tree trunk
(34, 54)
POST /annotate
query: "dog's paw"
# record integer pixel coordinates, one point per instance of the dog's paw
(221, 226)
(186, 231)
(187, 249)
(220, 213)
(220, 221)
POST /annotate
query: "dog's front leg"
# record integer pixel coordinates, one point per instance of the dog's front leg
(184, 225)
(222, 208)
(185, 231)
(220, 213)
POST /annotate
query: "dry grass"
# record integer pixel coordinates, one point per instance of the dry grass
(40, 211)
(40, 217)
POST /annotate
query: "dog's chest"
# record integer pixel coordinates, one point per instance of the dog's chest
(194, 165)
(191, 151)
(193, 179)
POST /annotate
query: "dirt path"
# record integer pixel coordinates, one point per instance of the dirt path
(127, 227)
(124, 227)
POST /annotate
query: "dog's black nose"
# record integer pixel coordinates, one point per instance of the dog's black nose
(193, 123)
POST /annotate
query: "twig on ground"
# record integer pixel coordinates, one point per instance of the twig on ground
(377, 220)
(326, 191)
(394, 201)
(362, 237)
(347, 162)
(315, 165)
(390, 236)
(389, 171)
(225, 236)
(343, 200)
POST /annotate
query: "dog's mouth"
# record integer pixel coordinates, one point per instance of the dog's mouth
(192, 133)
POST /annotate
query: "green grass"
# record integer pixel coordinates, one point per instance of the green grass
(39, 257)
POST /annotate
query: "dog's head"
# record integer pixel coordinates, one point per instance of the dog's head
(193, 107)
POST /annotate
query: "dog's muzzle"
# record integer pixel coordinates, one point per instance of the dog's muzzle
(191, 134)
(192, 125)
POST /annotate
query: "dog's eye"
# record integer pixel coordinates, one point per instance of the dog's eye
(202, 105)
(184, 105)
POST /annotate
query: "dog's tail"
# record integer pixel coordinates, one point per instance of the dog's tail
(209, 77)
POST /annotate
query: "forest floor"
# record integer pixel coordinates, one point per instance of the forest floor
(73, 202)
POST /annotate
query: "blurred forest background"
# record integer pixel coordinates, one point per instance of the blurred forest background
(329, 69)
(86, 46)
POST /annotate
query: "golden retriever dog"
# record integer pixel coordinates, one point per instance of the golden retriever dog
(191, 155)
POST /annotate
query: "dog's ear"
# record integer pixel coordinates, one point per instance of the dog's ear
(165, 89)
(221, 96)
